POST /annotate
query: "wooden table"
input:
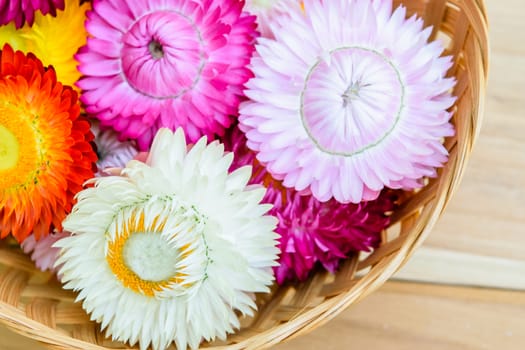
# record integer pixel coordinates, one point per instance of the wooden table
(465, 289)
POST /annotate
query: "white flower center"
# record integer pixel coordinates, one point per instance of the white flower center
(150, 256)
(351, 101)
(157, 247)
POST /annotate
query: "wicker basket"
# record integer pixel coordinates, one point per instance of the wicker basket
(33, 304)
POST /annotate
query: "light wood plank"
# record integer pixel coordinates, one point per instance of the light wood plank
(459, 268)
(415, 316)
(487, 215)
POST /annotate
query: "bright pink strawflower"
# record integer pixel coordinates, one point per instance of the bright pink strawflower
(22, 11)
(42, 251)
(311, 231)
(166, 63)
(348, 98)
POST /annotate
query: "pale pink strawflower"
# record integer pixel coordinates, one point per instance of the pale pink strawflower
(166, 63)
(22, 11)
(112, 153)
(42, 251)
(348, 99)
(313, 232)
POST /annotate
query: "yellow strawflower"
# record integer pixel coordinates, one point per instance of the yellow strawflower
(54, 40)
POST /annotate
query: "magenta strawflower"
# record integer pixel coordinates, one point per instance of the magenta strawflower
(311, 231)
(166, 63)
(22, 11)
(42, 251)
(348, 99)
(325, 232)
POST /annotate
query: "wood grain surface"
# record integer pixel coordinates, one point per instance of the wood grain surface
(484, 223)
(479, 242)
(487, 214)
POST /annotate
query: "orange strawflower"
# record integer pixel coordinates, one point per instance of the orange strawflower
(45, 150)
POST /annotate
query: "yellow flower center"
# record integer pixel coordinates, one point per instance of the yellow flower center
(144, 257)
(9, 149)
(19, 156)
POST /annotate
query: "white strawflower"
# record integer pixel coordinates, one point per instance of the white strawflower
(169, 250)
